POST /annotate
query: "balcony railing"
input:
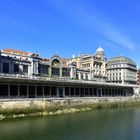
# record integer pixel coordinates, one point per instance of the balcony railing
(61, 79)
(36, 77)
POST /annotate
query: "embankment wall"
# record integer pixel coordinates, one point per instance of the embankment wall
(55, 106)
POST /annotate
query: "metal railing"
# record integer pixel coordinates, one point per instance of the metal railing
(61, 79)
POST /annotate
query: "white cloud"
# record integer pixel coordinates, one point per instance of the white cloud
(108, 30)
(90, 17)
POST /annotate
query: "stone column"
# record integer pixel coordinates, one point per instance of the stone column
(73, 72)
(30, 70)
(50, 90)
(8, 90)
(43, 91)
(20, 69)
(79, 75)
(18, 90)
(50, 71)
(57, 91)
(101, 90)
(27, 91)
(60, 72)
(84, 76)
(63, 91)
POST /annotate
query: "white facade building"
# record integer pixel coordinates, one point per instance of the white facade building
(121, 70)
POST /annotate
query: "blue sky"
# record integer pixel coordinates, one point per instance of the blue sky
(67, 27)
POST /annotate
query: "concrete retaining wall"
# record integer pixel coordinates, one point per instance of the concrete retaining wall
(44, 104)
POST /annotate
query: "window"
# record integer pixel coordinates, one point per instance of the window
(5, 67)
(77, 76)
(65, 72)
(25, 69)
(56, 63)
(55, 72)
(43, 69)
(16, 68)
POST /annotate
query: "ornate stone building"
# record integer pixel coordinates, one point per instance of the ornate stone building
(27, 75)
(121, 70)
(84, 67)
(28, 64)
(93, 66)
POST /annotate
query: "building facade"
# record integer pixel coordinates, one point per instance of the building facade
(28, 64)
(15, 62)
(84, 67)
(93, 65)
(121, 70)
(27, 75)
(25, 64)
(138, 76)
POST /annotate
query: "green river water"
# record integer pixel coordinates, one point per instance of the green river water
(119, 124)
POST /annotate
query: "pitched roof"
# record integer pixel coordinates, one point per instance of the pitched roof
(16, 52)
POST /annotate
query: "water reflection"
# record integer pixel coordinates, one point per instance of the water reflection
(95, 125)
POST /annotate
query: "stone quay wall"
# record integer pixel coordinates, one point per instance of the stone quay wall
(46, 103)
(55, 106)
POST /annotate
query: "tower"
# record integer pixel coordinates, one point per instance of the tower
(100, 52)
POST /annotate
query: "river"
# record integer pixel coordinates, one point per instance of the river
(119, 124)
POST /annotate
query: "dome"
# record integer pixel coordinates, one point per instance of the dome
(100, 52)
(100, 49)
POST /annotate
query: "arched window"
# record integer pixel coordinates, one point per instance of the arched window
(56, 63)
(56, 67)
